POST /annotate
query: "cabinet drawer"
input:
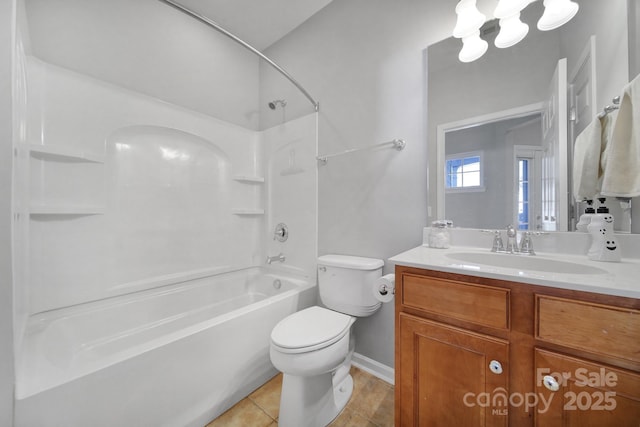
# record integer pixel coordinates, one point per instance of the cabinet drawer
(596, 328)
(479, 304)
(590, 394)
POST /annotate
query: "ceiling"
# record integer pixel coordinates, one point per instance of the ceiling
(258, 22)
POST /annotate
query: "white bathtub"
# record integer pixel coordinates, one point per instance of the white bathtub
(175, 356)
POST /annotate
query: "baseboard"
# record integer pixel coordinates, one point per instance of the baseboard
(376, 369)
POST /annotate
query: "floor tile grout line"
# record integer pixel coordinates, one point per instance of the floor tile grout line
(261, 408)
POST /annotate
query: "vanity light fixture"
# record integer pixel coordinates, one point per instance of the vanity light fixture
(557, 13)
(468, 29)
(512, 29)
(473, 47)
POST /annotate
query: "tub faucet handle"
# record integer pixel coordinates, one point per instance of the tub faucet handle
(281, 233)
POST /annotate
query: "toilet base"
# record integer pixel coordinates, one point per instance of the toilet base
(342, 393)
(314, 401)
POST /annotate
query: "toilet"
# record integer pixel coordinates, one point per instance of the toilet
(313, 347)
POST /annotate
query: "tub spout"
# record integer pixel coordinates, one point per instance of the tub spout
(280, 258)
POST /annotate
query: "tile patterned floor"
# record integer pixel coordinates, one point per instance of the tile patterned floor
(371, 405)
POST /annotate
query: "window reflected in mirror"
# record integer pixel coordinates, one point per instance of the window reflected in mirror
(464, 172)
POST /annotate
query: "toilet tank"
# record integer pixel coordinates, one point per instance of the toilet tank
(345, 283)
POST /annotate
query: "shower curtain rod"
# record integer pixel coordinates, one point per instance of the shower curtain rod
(217, 27)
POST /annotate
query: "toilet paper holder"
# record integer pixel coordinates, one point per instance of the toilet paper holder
(383, 289)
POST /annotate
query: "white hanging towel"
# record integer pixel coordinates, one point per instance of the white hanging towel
(622, 169)
(586, 159)
(607, 123)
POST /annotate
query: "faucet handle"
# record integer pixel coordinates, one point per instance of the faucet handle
(526, 244)
(281, 232)
(498, 244)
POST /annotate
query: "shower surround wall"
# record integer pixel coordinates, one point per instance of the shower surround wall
(121, 194)
(126, 192)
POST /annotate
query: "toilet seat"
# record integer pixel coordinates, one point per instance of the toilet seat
(310, 329)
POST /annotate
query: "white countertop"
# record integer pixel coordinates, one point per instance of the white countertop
(620, 278)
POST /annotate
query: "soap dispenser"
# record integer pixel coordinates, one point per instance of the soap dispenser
(603, 243)
(585, 218)
(602, 209)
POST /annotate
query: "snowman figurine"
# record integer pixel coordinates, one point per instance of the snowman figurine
(603, 242)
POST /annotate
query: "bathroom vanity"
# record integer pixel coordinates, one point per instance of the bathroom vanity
(478, 343)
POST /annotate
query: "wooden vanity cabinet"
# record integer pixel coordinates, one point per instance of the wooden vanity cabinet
(472, 351)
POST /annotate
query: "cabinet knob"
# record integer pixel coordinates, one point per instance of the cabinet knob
(550, 383)
(495, 367)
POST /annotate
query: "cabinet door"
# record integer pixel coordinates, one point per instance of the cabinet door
(589, 394)
(445, 376)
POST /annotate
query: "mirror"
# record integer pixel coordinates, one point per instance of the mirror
(496, 105)
(515, 143)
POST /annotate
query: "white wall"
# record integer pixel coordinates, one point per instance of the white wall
(7, 27)
(289, 152)
(363, 60)
(152, 48)
(607, 20)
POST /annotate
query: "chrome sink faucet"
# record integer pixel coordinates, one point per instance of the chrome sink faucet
(280, 258)
(524, 248)
(512, 240)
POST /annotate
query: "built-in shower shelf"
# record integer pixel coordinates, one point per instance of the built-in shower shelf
(65, 210)
(48, 151)
(246, 179)
(248, 212)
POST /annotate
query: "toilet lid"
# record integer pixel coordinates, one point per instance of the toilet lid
(310, 328)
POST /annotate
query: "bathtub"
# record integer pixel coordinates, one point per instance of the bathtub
(178, 355)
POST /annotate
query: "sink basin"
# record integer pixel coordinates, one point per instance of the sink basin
(524, 263)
